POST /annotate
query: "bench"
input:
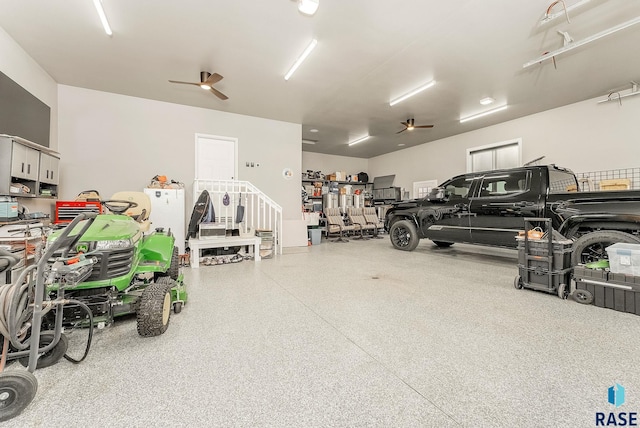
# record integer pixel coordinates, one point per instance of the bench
(230, 241)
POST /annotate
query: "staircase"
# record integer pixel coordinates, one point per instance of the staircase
(260, 211)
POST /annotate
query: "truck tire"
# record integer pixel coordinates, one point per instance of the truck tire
(591, 247)
(404, 235)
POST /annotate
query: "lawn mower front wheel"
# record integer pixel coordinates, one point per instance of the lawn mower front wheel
(17, 390)
(155, 308)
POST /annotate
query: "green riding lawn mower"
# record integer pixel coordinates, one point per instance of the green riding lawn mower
(98, 268)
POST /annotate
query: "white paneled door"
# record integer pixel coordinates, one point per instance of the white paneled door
(216, 157)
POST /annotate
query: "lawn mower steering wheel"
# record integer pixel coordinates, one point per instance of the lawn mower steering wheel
(118, 206)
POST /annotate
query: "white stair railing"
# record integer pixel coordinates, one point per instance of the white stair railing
(260, 211)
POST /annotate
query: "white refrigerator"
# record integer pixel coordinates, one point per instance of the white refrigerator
(167, 211)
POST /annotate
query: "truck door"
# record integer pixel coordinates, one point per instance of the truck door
(449, 221)
(500, 204)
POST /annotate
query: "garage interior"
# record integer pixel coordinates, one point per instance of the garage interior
(336, 334)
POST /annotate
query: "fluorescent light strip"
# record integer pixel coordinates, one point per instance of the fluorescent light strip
(103, 17)
(359, 140)
(412, 93)
(582, 42)
(475, 116)
(553, 16)
(299, 61)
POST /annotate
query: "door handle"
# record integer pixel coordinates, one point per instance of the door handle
(28, 168)
(523, 204)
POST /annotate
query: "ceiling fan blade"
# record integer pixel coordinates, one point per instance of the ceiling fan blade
(401, 131)
(219, 94)
(214, 78)
(185, 83)
(423, 126)
(405, 124)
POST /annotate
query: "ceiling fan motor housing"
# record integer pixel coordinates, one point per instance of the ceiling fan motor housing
(204, 75)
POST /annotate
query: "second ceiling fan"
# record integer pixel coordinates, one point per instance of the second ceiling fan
(409, 125)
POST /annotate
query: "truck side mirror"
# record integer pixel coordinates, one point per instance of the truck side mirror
(438, 194)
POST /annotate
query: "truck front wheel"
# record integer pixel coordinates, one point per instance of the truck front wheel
(591, 247)
(404, 235)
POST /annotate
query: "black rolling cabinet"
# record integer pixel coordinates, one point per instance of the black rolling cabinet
(544, 263)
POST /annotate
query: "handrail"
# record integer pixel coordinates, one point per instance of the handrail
(261, 212)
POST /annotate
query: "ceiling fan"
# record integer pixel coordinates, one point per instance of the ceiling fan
(409, 125)
(206, 82)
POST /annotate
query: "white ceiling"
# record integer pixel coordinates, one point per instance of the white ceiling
(369, 52)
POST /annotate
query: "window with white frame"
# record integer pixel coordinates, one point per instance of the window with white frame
(506, 154)
(422, 188)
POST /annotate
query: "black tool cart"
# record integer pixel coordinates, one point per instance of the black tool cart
(544, 258)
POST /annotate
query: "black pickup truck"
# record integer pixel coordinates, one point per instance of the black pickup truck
(488, 208)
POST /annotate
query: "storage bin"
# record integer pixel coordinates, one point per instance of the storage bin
(615, 291)
(316, 236)
(8, 210)
(540, 248)
(624, 258)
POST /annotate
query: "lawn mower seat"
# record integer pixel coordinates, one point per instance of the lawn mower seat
(141, 212)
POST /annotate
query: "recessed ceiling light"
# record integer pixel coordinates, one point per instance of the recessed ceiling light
(412, 93)
(359, 140)
(308, 142)
(302, 57)
(486, 101)
(475, 116)
(401, 144)
(313, 130)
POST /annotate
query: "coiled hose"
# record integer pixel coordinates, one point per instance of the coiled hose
(16, 312)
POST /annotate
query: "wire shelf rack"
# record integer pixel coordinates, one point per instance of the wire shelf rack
(590, 181)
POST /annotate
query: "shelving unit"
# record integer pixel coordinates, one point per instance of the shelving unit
(366, 189)
(27, 170)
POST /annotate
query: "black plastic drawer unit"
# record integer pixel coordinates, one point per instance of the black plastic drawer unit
(615, 291)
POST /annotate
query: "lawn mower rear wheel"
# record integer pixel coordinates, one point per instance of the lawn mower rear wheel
(52, 356)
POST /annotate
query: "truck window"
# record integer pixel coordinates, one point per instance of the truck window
(562, 181)
(502, 184)
(458, 188)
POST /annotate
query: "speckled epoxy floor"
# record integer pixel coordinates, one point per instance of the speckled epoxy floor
(354, 334)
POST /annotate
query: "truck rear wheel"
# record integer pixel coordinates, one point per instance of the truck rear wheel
(591, 247)
(404, 235)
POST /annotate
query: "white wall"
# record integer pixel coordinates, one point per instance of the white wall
(112, 142)
(583, 137)
(331, 163)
